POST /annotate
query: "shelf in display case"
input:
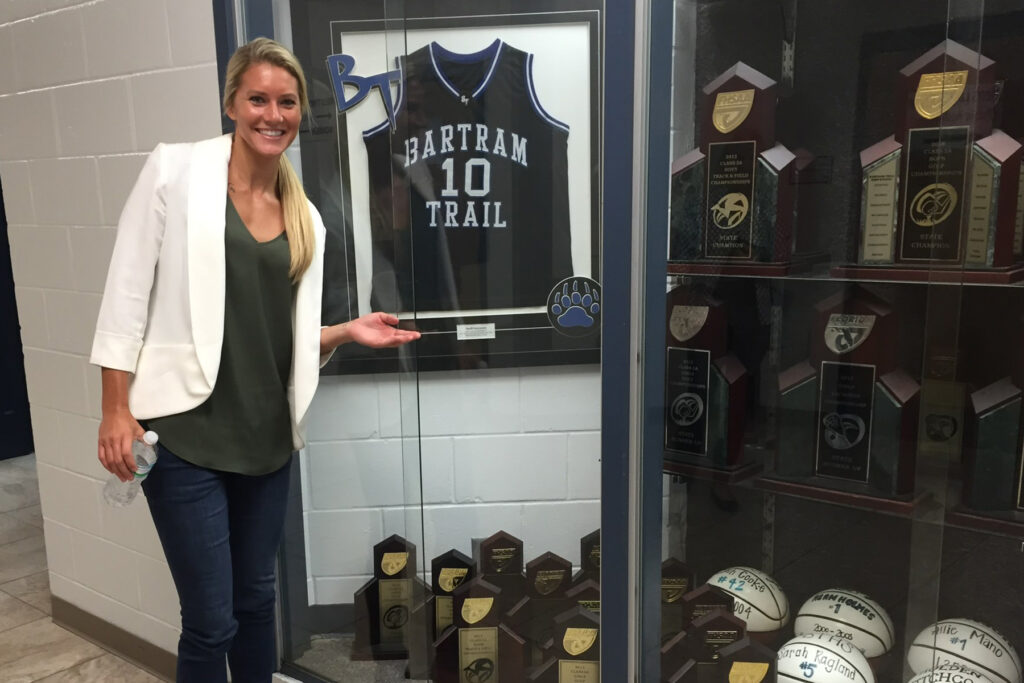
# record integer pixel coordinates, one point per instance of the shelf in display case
(1008, 523)
(801, 264)
(708, 473)
(812, 488)
(931, 274)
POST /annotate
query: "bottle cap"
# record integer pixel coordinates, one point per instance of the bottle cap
(150, 438)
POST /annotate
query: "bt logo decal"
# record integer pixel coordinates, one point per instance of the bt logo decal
(341, 68)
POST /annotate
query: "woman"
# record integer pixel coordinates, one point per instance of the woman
(209, 332)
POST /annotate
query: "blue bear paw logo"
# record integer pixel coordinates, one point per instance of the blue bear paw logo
(574, 306)
(575, 309)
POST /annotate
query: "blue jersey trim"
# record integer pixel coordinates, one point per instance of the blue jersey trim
(535, 101)
(385, 124)
(492, 52)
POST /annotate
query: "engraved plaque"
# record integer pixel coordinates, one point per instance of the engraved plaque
(845, 401)
(982, 210)
(478, 655)
(730, 200)
(395, 606)
(688, 375)
(879, 207)
(578, 671)
(1018, 224)
(934, 192)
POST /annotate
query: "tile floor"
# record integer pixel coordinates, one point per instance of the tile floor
(32, 647)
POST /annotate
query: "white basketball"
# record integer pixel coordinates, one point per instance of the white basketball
(823, 658)
(759, 601)
(968, 643)
(951, 673)
(848, 614)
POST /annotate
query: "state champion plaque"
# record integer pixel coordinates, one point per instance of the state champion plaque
(934, 195)
(845, 401)
(730, 199)
(686, 400)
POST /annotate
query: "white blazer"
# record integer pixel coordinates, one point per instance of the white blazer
(162, 315)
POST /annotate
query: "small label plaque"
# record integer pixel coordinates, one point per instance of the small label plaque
(578, 671)
(845, 403)
(475, 331)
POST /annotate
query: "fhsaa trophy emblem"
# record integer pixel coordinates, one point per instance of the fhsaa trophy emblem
(846, 331)
(936, 93)
(686, 321)
(732, 109)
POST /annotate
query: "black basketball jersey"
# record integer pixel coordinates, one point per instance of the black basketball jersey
(469, 192)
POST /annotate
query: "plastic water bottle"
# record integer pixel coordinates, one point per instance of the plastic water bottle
(120, 493)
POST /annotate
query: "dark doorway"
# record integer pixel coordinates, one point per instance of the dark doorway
(15, 423)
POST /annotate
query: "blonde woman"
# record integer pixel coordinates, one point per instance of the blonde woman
(209, 333)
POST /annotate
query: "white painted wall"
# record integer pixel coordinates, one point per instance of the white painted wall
(86, 90)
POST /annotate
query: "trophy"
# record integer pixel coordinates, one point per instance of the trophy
(677, 580)
(383, 605)
(732, 198)
(548, 578)
(573, 653)
(448, 571)
(929, 195)
(703, 600)
(695, 657)
(590, 559)
(586, 594)
(478, 646)
(992, 449)
(849, 415)
(500, 560)
(705, 386)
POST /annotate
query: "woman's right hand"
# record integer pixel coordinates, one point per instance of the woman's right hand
(118, 428)
(117, 432)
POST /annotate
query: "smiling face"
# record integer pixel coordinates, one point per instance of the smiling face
(266, 109)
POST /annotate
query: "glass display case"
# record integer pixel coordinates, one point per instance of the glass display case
(448, 513)
(835, 214)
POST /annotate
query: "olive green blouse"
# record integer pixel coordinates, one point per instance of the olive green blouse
(244, 425)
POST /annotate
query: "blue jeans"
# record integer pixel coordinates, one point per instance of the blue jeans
(220, 532)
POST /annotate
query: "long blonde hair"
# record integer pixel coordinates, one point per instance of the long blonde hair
(298, 222)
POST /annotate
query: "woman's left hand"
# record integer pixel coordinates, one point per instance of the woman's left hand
(377, 330)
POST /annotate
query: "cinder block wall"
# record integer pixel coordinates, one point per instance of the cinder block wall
(86, 90)
(516, 450)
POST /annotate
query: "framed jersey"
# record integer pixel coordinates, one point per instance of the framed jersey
(455, 159)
